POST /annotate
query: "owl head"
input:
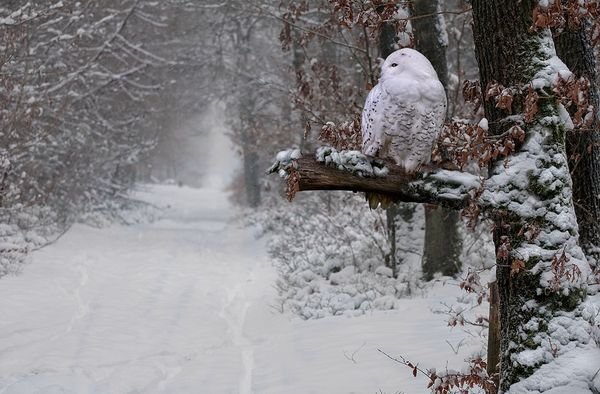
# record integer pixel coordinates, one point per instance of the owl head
(409, 62)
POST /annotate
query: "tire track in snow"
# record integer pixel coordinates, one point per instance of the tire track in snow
(234, 313)
(83, 308)
(143, 309)
(170, 372)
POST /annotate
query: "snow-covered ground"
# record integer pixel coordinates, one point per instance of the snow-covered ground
(185, 305)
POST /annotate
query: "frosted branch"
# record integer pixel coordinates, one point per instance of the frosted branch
(330, 169)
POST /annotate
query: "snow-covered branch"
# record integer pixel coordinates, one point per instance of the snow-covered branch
(330, 169)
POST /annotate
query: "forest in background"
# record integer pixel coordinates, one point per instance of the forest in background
(99, 95)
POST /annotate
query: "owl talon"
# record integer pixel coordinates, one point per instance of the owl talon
(386, 201)
(373, 200)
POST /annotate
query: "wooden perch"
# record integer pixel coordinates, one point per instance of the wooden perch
(452, 189)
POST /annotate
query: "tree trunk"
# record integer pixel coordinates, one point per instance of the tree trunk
(387, 40)
(246, 104)
(387, 45)
(430, 36)
(298, 63)
(443, 244)
(251, 177)
(583, 146)
(534, 293)
(493, 351)
(391, 215)
(442, 240)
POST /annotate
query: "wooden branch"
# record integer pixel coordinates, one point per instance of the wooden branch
(452, 189)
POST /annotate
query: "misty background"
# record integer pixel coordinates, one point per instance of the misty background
(143, 247)
(100, 97)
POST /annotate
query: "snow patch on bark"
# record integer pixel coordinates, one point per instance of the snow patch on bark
(352, 161)
(533, 188)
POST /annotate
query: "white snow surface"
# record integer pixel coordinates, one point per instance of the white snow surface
(183, 305)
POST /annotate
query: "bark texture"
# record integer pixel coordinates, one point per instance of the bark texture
(500, 31)
(583, 146)
(443, 243)
(511, 53)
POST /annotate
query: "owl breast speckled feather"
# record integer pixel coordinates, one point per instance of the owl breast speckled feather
(405, 111)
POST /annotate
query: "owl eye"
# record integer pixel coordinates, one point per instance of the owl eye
(394, 64)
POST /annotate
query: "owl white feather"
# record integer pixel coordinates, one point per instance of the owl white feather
(405, 111)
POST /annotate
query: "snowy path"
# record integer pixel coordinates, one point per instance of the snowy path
(183, 305)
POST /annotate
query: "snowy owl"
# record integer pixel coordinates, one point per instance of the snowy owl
(404, 112)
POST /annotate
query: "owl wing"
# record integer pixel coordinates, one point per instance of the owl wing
(371, 132)
(434, 107)
(402, 119)
(426, 124)
(389, 118)
(384, 116)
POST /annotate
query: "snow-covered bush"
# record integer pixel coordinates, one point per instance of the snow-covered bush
(23, 229)
(123, 210)
(331, 252)
(13, 249)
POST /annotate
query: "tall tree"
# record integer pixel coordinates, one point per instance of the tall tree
(541, 271)
(387, 45)
(442, 240)
(574, 47)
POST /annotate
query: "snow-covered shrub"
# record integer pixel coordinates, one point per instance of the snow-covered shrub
(13, 249)
(332, 254)
(123, 210)
(331, 251)
(23, 229)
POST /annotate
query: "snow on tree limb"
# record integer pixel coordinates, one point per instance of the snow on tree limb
(330, 169)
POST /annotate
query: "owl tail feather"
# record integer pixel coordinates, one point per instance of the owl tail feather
(376, 199)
